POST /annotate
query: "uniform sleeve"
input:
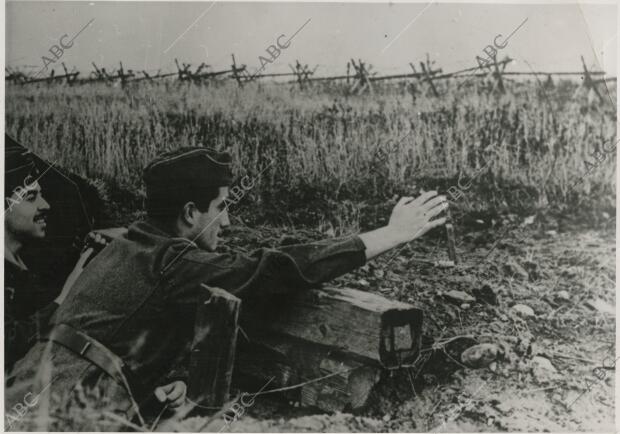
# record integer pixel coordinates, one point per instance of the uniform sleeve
(270, 271)
(263, 272)
(21, 334)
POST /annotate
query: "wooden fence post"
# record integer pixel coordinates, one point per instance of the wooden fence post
(498, 76)
(588, 83)
(429, 79)
(348, 69)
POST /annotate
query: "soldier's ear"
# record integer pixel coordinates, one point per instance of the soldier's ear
(189, 214)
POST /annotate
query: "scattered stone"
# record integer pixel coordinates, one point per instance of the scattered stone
(387, 418)
(481, 355)
(504, 408)
(523, 310)
(459, 297)
(512, 268)
(542, 369)
(551, 233)
(312, 424)
(444, 264)
(379, 273)
(465, 306)
(532, 269)
(486, 295)
(364, 283)
(529, 220)
(563, 295)
(540, 307)
(601, 306)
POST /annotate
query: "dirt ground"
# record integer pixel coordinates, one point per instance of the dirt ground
(554, 368)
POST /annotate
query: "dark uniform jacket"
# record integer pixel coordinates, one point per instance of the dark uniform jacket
(28, 307)
(139, 297)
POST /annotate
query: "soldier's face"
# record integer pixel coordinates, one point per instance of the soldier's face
(211, 222)
(26, 217)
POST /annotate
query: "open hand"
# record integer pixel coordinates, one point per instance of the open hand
(172, 394)
(411, 218)
(100, 238)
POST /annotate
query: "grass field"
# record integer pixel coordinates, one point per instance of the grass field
(335, 157)
(336, 163)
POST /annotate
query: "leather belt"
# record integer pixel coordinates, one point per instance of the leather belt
(91, 350)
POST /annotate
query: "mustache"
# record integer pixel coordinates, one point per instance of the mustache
(41, 214)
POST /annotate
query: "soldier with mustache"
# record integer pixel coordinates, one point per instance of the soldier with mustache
(29, 301)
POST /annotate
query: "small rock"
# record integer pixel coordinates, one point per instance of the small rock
(486, 295)
(459, 297)
(504, 408)
(601, 306)
(512, 268)
(309, 423)
(444, 264)
(542, 369)
(465, 306)
(532, 270)
(481, 355)
(364, 283)
(540, 307)
(529, 220)
(523, 310)
(563, 295)
(387, 418)
(551, 233)
(379, 273)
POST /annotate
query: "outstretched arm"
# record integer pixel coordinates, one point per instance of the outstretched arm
(292, 268)
(411, 218)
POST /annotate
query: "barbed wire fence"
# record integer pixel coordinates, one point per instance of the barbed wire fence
(359, 76)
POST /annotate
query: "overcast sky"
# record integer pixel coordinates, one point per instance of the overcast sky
(149, 35)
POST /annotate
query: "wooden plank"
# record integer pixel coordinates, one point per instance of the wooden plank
(213, 348)
(363, 325)
(314, 375)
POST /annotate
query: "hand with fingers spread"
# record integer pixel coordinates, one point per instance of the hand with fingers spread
(411, 218)
(172, 394)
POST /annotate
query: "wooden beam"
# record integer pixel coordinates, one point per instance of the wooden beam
(324, 380)
(387, 332)
(213, 348)
(333, 342)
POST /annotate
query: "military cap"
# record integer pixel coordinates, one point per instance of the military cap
(173, 175)
(19, 167)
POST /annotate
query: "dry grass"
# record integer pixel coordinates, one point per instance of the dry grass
(325, 143)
